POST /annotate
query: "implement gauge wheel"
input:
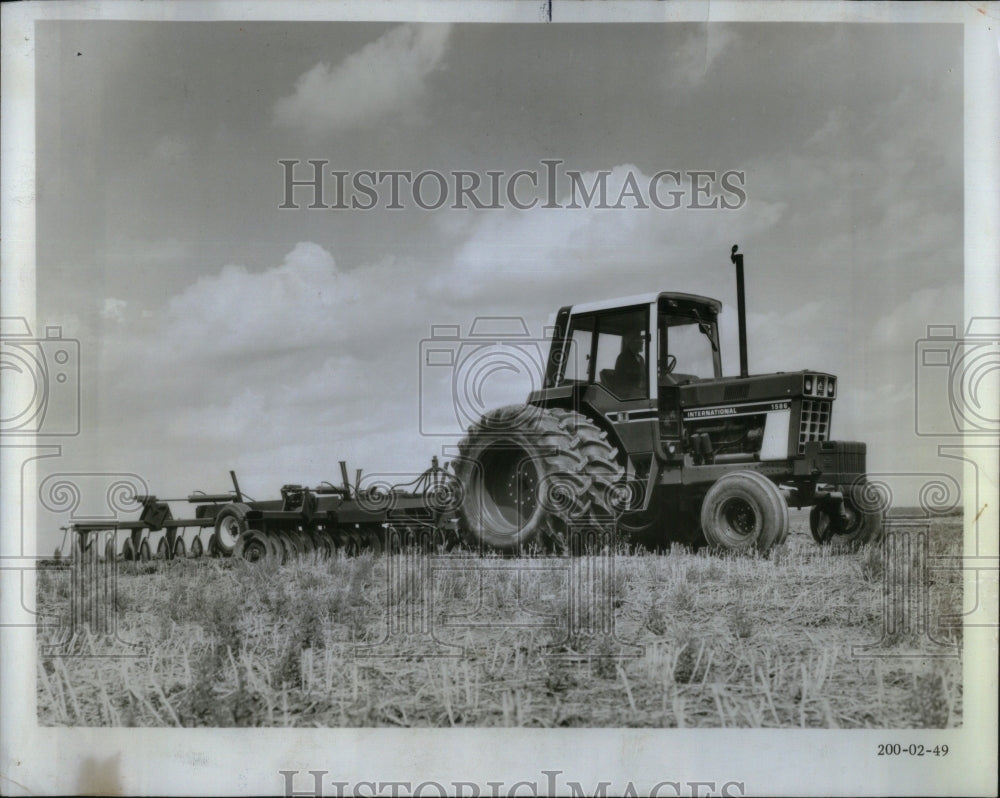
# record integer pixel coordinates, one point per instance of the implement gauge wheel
(253, 546)
(229, 524)
(742, 511)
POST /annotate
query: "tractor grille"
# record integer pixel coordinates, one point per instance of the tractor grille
(815, 422)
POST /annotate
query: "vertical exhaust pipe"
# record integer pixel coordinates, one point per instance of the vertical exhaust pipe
(741, 307)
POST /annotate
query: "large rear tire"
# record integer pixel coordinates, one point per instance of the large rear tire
(230, 523)
(743, 511)
(533, 474)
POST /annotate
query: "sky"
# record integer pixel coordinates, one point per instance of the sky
(218, 331)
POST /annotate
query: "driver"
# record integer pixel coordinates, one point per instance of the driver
(630, 367)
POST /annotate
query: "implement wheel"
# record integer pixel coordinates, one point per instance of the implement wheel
(229, 524)
(254, 546)
(534, 473)
(197, 549)
(180, 550)
(144, 554)
(742, 511)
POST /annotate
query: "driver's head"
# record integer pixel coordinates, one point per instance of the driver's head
(632, 342)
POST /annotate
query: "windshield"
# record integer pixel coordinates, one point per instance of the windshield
(691, 343)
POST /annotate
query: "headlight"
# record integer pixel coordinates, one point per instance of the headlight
(809, 385)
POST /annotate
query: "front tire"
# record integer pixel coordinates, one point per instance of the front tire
(742, 511)
(534, 473)
(859, 526)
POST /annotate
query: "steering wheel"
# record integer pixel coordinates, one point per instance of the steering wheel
(669, 364)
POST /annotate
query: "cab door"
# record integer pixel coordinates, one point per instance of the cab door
(613, 351)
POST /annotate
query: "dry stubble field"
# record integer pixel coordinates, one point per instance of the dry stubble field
(700, 640)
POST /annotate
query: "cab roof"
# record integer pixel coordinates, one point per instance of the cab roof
(714, 305)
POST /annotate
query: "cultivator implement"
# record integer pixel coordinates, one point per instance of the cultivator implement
(321, 520)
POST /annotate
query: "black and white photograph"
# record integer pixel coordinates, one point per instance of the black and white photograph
(555, 398)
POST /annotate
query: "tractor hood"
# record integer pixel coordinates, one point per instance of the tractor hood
(758, 387)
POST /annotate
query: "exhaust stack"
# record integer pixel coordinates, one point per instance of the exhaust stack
(741, 308)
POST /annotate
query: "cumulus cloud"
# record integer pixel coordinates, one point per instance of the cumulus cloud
(561, 255)
(392, 70)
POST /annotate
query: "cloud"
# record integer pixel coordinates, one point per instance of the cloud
(553, 256)
(392, 72)
(113, 309)
(690, 63)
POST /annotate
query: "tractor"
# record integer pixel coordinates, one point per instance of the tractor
(635, 427)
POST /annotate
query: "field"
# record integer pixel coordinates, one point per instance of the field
(699, 640)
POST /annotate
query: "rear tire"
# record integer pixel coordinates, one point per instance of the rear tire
(742, 511)
(230, 523)
(535, 474)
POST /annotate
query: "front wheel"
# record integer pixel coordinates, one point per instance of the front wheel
(742, 511)
(856, 527)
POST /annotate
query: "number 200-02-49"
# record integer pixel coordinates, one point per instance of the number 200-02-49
(913, 749)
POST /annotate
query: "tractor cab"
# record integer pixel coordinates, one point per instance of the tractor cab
(631, 346)
(626, 359)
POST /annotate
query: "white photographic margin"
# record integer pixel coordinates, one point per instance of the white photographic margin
(37, 760)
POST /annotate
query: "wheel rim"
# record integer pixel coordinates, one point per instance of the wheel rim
(510, 487)
(740, 519)
(229, 531)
